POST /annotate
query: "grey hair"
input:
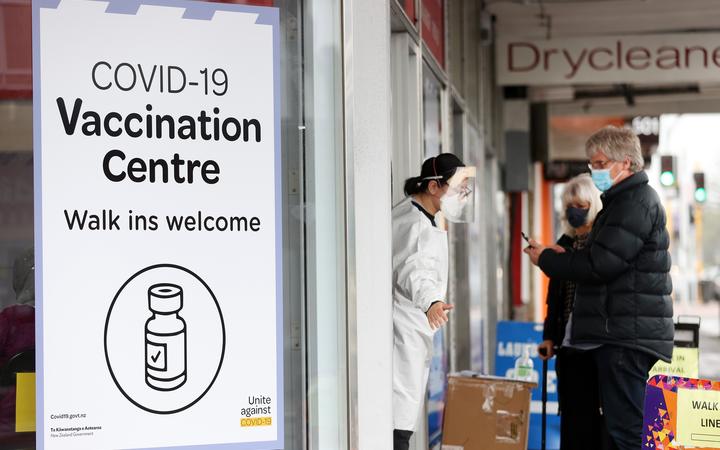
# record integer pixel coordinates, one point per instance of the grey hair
(619, 144)
(583, 189)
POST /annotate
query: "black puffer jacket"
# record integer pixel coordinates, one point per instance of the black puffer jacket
(623, 292)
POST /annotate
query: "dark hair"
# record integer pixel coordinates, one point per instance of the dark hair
(444, 165)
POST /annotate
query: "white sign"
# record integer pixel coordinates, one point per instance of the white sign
(672, 58)
(158, 225)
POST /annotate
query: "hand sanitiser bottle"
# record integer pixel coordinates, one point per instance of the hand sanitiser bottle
(165, 339)
(524, 366)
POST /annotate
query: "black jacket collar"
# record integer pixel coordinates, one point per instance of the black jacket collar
(632, 182)
(565, 241)
(425, 213)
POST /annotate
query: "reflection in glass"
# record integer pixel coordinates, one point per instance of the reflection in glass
(432, 95)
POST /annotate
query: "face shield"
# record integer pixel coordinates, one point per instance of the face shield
(458, 203)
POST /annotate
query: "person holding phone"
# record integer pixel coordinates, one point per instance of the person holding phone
(420, 277)
(622, 310)
(578, 394)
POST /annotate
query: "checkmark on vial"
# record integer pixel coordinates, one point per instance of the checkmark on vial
(156, 356)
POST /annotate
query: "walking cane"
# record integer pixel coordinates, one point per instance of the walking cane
(544, 401)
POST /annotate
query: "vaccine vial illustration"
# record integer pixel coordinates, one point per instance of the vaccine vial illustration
(165, 339)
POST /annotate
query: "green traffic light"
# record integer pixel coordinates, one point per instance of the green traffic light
(700, 195)
(667, 178)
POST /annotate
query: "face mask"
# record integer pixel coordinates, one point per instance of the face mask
(452, 207)
(602, 179)
(576, 217)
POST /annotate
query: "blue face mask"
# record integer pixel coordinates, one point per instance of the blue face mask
(602, 180)
(576, 217)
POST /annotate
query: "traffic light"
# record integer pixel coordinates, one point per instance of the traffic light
(700, 192)
(667, 170)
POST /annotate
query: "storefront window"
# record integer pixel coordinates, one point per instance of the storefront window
(432, 113)
(314, 346)
(432, 133)
(17, 288)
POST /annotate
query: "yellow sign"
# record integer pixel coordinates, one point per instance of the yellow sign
(685, 363)
(25, 403)
(698, 419)
(256, 422)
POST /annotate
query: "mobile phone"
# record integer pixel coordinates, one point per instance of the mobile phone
(527, 239)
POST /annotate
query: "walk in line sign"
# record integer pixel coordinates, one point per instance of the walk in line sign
(681, 413)
(158, 225)
(699, 423)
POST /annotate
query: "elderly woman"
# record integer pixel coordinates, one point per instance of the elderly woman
(622, 312)
(576, 372)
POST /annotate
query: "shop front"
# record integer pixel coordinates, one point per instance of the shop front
(195, 206)
(171, 248)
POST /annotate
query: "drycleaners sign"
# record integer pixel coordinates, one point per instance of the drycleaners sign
(158, 225)
(671, 57)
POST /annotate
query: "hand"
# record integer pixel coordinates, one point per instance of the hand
(548, 347)
(534, 251)
(437, 314)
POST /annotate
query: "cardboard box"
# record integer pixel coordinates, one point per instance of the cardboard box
(486, 413)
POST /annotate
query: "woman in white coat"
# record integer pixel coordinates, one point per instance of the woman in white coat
(420, 277)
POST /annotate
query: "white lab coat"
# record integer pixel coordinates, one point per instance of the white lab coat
(420, 276)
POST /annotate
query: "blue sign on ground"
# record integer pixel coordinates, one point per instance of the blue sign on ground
(512, 337)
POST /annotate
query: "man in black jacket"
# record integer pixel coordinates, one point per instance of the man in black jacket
(623, 309)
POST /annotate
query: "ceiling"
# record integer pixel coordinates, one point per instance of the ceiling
(565, 18)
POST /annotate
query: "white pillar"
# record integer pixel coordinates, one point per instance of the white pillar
(366, 60)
